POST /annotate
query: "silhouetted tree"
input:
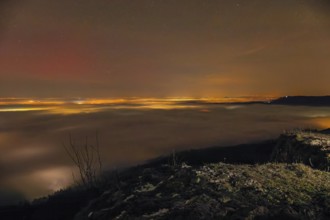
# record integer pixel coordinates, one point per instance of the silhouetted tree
(87, 159)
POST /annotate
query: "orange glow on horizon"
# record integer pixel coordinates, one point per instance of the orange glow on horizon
(322, 123)
(89, 105)
(97, 101)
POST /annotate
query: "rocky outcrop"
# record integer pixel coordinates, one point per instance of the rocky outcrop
(310, 148)
(288, 190)
(217, 191)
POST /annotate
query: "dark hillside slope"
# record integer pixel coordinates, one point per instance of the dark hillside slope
(303, 100)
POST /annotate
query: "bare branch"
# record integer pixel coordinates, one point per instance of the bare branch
(87, 159)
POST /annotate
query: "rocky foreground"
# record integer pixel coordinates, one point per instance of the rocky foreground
(287, 178)
(285, 188)
(217, 191)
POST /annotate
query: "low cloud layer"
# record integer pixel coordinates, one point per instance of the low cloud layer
(34, 162)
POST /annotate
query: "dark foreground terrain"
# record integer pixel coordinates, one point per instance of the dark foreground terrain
(286, 178)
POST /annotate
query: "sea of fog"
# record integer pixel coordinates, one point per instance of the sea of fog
(34, 163)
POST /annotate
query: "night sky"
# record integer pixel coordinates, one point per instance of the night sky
(143, 72)
(150, 48)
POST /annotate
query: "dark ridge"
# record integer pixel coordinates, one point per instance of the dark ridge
(303, 100)
(252, 153)
(62, 205)
(325, 131)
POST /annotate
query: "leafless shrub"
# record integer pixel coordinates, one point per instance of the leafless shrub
(86, 158)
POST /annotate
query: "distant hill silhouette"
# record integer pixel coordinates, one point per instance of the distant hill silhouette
(303, 100)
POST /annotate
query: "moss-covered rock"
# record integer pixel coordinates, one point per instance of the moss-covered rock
(220, 191)
(310, 148)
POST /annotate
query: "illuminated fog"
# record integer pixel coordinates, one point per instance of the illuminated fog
(34, 163)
